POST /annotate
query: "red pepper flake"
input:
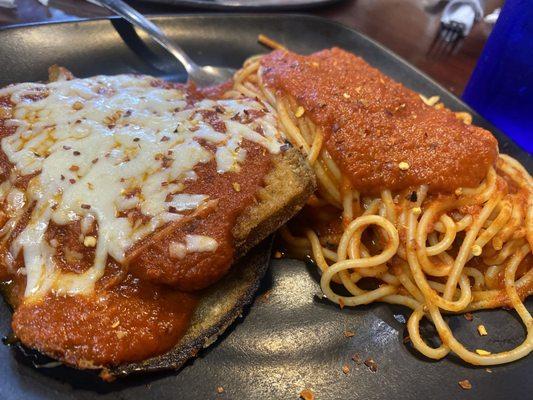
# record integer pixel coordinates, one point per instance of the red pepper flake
(73, 181)
(136, 139)
(259, 129)
(164, 184)
(265, 297)
(465, 384)
(307, 394)
(85, 206)
(106, 376)
(167, 162)
(346, 369)
(76, 153)
(74, 168)
(356, 358)
(67, 147)
(468, 316)
(165, 139)
(371, 364)
(95, 161)
(62, 177)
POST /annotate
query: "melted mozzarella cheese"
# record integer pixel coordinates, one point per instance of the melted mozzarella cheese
(200, 243)
(104, 145)
(177, 250)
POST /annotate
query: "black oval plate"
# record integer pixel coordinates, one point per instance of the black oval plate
(290, 338)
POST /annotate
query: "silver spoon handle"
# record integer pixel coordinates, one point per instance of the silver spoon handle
(134, 17)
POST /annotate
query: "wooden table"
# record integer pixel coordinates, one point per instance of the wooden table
(407, 27)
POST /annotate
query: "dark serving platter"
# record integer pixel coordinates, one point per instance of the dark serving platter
(290, 338)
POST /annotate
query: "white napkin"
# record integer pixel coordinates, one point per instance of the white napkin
(465, 12)
(492, 17)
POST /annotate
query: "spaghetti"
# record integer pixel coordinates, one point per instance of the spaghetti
(433, 251)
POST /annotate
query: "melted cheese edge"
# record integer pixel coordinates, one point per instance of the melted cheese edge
(102, 145)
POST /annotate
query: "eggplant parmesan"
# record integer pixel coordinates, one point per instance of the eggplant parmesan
(122, 197)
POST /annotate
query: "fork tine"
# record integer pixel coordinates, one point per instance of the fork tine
(452, 33)
(453, 37)
(438, 41)
(456, 45)
(446, 40)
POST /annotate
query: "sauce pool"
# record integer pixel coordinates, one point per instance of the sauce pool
(380, 133)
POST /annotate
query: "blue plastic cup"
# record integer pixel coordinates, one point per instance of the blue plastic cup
(501, 86)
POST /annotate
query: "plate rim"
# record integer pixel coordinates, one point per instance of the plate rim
(212, 15)
(206, 5)
(323, 20)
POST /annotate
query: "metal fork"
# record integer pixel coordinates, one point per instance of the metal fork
(202, 76)
(446, 39)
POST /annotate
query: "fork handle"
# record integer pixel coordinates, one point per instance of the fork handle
(134, 17)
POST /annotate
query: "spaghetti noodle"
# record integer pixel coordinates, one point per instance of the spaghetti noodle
(434, 252)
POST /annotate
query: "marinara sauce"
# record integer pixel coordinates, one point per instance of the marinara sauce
(372, 124)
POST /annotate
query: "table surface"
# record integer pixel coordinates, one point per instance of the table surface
(407, 27)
